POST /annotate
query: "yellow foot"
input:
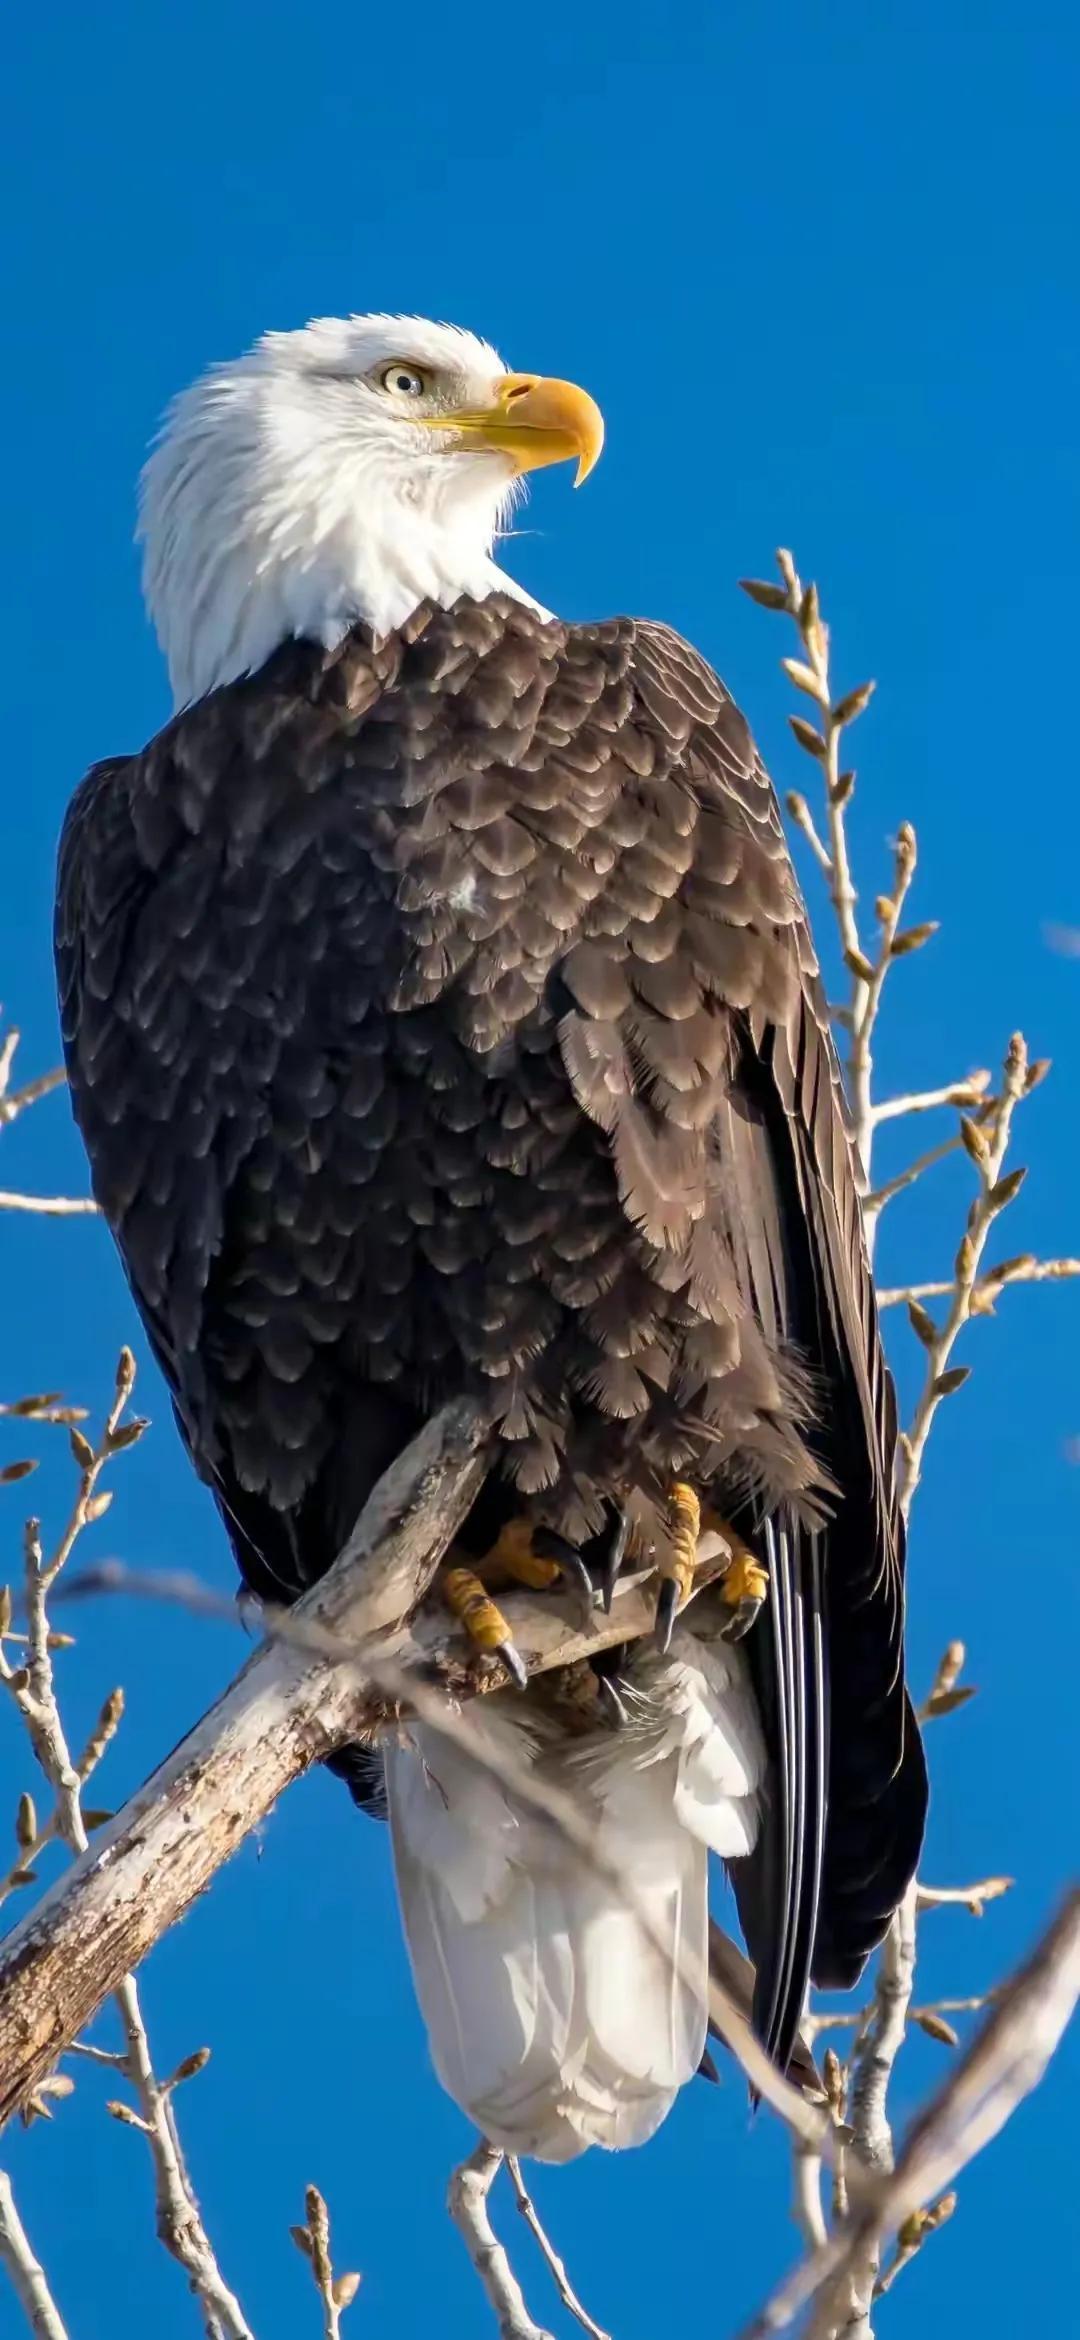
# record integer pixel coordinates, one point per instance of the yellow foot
(483, 1621)
(742, 1587)
(514, 1555)
(680, 1560)
(524, 1552)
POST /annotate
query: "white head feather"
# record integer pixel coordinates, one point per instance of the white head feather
(292, 493)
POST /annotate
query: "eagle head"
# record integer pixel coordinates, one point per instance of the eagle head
(342, 473)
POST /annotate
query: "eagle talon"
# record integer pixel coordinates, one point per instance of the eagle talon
(677, 1580)
(547, 1544)
(743, 1588)
(667, 1604)
(484, 1623)
(515, 1664)
(612, 1562)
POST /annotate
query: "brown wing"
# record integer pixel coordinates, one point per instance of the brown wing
(442, 1013)
(850, 1781)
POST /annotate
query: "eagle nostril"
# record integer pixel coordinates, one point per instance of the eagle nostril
(517, 387)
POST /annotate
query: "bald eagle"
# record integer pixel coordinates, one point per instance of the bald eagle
(442, 1019)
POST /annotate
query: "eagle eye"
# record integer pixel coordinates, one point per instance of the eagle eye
(402, 380)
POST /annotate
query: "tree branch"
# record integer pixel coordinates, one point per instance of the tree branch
(987, 1150)
(28, 2277)
(555, 2265)
(467, 2202)
(1002, 2065)
(51, 1206)
(286, 1710)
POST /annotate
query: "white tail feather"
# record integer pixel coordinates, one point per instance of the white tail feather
(555, 2022)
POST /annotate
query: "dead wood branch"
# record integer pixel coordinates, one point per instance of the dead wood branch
(286, 1710)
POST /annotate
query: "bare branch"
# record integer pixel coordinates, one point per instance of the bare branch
(555, 2265)
(15, 1101)
(811, 676)
(179, 2224)
(969, 1091)
(1002, 2065)
(806, 2196)
(987, 1150)
(467, 2202)
(27, 2275)
(876, 2051)
(804, 821)
(33, 1690)
(51, 1206)
(285, 1711)
(970, 1897)
(336, 2292)
(874, 1203)
(911, 2238)
(995, 1281)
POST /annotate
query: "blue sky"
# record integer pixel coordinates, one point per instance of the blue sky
(818, 266)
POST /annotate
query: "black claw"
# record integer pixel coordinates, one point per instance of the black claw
(616, 1712)
(707, 2068)
(514, 1662)
(549, 1545)
(740, 1621)
(613, 1560)
(667, 1603)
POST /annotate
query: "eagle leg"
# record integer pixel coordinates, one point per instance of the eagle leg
(525, 1552)
(484, 1623)
(679, 1561)
(743, 1584)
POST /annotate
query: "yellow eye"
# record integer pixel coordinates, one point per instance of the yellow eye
(404, 381)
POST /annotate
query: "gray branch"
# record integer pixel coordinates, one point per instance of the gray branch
(288, 1708)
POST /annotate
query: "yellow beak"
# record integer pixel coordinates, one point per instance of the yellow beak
(536, 420)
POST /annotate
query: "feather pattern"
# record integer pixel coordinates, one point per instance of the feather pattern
(441, 1016)
(556, 2020)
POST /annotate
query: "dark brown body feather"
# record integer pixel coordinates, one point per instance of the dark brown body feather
(442, 1015)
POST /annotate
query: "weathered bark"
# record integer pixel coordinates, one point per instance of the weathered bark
(287, 1708)
(300, 1696)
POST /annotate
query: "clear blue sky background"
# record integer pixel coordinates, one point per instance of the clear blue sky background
(818, 265)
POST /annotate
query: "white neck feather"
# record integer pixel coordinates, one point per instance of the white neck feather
(269, 510)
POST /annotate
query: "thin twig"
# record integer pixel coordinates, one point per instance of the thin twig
(970, 1897)
(15, 1101)
(987, 1149)
(995, 1281)
(51, 1206)
(336, 2292)
(555, 2265)
(875, 1203)
(806, 2196)
(33, 1690)
(1001, 2065)
(969, 1091)
(27, 2275)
